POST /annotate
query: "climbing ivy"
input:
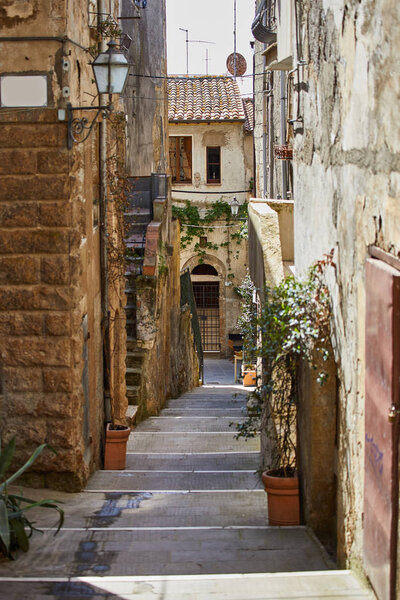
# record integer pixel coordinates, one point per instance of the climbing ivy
(196, 221)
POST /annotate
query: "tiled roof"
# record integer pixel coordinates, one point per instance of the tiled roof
(207, 98)
(248, 106)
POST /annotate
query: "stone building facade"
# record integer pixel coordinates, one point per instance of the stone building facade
(62, 292)
(211, 161)
(342, 70)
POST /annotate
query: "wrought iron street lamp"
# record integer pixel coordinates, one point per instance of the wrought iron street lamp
(110, 70)
(234, 204)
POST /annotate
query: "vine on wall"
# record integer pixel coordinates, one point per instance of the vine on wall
(196, 221)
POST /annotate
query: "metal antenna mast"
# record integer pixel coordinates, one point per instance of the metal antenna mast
(234, 39)
(187, 46)
(207, 60)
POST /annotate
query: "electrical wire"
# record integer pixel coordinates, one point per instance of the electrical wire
(221, 193)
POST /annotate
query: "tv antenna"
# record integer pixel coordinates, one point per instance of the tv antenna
(191, 42)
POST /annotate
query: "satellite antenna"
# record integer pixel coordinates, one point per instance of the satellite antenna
(235, 63)
(191, 42)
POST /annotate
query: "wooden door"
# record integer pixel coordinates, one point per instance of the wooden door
(381, 432)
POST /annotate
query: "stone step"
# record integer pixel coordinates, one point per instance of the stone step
(205, 403)
(130, 414)
(130, 311)
(189, 442)
(132, 345)
(320, 585)
(133, 376)
(154, 481)
(132, 393)
(234, 413)
(222, 461)
(161, 551)
(134, 359)
(182, 424)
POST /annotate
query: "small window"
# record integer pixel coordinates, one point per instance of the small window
(203, 242)
(214, 164)
(180, 158)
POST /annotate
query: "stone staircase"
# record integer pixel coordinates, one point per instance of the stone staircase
(186, 520)
(137, 217)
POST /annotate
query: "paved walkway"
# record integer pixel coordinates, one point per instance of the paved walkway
(186, 520)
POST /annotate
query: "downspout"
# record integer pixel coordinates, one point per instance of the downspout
(102, 13)
(264, 141)
(271, 134)
(283, 133)
(252, 44)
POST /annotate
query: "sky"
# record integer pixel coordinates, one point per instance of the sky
(211, 21)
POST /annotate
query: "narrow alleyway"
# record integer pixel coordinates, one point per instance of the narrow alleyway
(186, 519)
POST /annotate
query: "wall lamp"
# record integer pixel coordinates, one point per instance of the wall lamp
(110, 70)
(234, 204)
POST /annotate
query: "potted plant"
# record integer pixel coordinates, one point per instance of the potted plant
(293, 326)
(115, 444)
(15, 526)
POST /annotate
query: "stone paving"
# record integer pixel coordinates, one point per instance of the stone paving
(186, 519)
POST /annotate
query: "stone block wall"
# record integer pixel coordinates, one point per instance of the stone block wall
(40, 324)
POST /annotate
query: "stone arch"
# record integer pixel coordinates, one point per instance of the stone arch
(209, 259)
(220, 267)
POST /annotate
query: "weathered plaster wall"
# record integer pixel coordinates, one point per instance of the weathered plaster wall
(265, 252)
(170, 366)
(230, 259)
(347, 184)
(145, 98)
(236, 171)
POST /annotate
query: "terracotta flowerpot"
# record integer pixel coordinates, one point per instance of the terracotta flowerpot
(250, 378)
(115, 451)
(283, 498)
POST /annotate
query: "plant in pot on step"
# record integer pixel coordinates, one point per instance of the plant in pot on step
(15, 525)
(293, 326)
(115, 445)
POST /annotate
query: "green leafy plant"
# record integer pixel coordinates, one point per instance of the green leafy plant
(293, 326)
(196, 221)
(15, 526)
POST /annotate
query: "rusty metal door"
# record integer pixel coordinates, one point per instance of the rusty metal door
(381, 493)
(207, 303)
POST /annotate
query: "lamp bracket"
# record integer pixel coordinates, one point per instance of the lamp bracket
(79, 129)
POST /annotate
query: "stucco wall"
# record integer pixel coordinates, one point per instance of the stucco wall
(347, 184)
(236, 161)
(230, 257)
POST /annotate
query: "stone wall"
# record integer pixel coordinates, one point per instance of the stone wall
(170, 365)
(347, 184)
(51, 334)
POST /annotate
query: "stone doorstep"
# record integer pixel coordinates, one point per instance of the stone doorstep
(328, 585)
(130, 414)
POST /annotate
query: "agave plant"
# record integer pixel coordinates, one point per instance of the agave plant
(15, 527)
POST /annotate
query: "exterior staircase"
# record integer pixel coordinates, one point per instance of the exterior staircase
(139, 213)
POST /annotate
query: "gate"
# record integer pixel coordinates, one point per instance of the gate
(207, 301)
(382, 362)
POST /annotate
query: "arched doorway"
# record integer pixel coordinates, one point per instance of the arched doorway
(206, 291)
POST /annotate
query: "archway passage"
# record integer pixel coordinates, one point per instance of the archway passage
(206, 294)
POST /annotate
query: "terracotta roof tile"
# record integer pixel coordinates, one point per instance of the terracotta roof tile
(248, 106)
(207, 98)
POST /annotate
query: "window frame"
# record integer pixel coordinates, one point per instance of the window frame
(213, 181)
(177, 139)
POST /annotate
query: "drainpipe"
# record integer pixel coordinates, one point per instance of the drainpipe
(103, 99)
(255, 191)
(283, 133)
(271, 134)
